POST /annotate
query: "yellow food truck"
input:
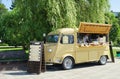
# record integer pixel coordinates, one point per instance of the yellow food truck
(69, 46)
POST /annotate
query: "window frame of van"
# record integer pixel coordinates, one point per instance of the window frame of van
(68, 38)
(53, 35)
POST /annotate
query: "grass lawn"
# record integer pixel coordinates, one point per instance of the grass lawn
(115, 50)
(7, 49)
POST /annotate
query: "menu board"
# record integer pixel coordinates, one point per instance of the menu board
(35, 52)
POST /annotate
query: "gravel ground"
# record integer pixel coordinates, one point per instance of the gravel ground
(17, 70)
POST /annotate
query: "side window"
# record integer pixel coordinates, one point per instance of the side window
(85, 39)
(67, 39)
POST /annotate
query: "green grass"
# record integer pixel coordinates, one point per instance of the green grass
(13, 59)
(27, 51)
(115, 52)
(3, 44)
(7, 49)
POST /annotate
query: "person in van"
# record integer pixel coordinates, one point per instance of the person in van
(101, 39)
(86, 40)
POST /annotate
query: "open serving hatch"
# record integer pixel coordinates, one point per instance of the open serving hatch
(94, 28)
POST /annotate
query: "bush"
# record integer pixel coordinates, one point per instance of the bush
(3, 44)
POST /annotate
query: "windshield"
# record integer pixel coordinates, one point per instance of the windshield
(52, 38)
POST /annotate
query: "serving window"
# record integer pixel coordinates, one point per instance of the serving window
(85, 39)
(93, 34)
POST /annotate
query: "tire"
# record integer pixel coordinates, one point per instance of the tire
(103, 60)
(68, 63)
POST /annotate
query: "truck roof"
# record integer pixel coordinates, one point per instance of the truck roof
(84, 27)
(64, 31)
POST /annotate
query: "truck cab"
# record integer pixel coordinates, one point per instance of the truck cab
(69, 46)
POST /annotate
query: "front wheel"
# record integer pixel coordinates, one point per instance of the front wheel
(103, 60)
(68, 63)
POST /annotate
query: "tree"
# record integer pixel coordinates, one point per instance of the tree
(3, 10)
(61, 13)
(110, 18)
(13, 5)
(29, 19)
(118, 36)
(92, 10)
(118, 18)
(32, 21)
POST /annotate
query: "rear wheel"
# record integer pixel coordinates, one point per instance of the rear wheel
(68, 63)
(103, 60)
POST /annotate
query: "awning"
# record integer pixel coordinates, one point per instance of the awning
(94, 28)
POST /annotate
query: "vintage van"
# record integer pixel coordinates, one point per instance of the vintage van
(63, 47)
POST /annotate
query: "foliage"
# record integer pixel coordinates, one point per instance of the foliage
(33, 21)
(61, 13)
(115, 30)
(118, 37)
(92, 10)
(118, 18)
(10, 31)
(2, 9)
(110, 18)
(70, 13)
(29, 19)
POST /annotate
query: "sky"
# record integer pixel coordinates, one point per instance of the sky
(7, 3)
(115, 4)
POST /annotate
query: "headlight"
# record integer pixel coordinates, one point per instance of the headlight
(49, 50)
(58, 60)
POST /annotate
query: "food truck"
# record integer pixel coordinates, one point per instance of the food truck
(69, 46)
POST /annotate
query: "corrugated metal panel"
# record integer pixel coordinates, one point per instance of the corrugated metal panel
(94, 28)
